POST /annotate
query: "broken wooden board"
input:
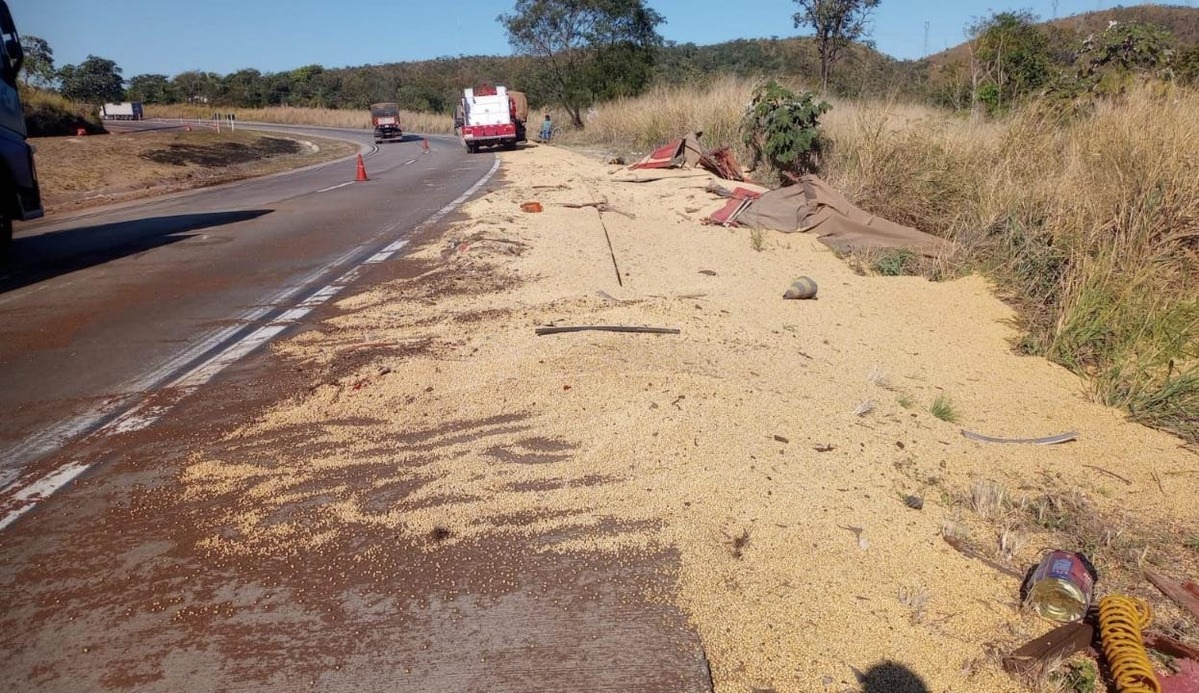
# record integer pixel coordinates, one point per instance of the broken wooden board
(1176, 592)
(1169, 646)
(1057, 644)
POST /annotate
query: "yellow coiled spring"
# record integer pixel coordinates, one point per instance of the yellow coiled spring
(1121, 620)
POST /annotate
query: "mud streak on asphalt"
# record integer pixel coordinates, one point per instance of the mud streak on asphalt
(107, 585)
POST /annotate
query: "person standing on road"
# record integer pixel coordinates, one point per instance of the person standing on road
(547, 128)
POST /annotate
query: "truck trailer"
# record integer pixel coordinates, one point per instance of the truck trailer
(385, 118)
(127, 110)
(491, 116)
(20, 196)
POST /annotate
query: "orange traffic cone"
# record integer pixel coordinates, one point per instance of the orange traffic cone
(361, 171)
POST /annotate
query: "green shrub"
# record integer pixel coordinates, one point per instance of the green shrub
(782, 130)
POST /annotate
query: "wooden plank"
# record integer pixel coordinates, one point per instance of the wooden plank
(1169, 646)
(1059, 643)
(1176, 592)
(607, 328)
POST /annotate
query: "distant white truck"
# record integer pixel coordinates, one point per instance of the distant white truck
(128, 110)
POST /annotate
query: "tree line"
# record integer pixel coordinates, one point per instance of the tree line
(573, 53)
(570, 53)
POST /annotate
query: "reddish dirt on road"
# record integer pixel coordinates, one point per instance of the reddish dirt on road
(109, 585)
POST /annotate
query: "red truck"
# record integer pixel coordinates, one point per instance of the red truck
(491, 116)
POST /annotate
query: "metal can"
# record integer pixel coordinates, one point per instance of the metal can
(1062, 586)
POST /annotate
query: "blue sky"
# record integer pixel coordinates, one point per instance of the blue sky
(167, 36)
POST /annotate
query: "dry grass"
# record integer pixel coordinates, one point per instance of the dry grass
(1025, 522)
(416, 122)
(84, 171)
(48, 114)
(664, 113)
(1088, 224)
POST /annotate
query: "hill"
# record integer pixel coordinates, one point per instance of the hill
(861, 69)
(1182, 22)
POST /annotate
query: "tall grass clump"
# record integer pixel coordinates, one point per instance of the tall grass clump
(667, 112)
(411, 121)
(1089, 224)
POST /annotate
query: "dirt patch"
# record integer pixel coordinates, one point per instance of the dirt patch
(77, 172)
(222, 153)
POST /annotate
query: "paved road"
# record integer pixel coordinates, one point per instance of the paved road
(101, 308)
(136, 324)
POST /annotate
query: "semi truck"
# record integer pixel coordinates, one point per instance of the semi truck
(385, 118)
(126, 110)
(20, 197)
(491, 116)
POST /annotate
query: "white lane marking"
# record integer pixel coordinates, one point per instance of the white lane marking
(56, 436)
(335, 187)
(30, 495)
(23, 497)
(408, 163)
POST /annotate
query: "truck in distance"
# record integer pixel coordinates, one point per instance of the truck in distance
(385, 118)
(127, 110)
(20, 197)
(491, 116)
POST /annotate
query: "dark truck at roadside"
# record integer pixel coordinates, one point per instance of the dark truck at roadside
(20, 197)
(385, 117)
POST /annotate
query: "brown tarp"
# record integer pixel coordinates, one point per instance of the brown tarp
(814, 206)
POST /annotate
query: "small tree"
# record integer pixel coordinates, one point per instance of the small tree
(1187, 66)
(38, 70)
(95, 80)
(783, 129)
(836, 24)
(151, 89)
(588, 49)
(196, 87)
(1010, 58)
(243, 88)
(1109, 59)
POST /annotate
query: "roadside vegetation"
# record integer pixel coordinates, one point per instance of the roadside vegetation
(50, 115)
(1088, 224)
(413, 121)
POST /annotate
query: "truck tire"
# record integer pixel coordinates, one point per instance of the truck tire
(5, 234)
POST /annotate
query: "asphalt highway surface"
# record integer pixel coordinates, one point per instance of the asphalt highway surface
(130, 337)
(99, 309)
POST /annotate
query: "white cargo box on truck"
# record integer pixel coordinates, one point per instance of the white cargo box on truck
(128, 110)
(488, 119)
(488, 109)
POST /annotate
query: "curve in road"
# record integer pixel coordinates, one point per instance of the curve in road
(109, 317)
